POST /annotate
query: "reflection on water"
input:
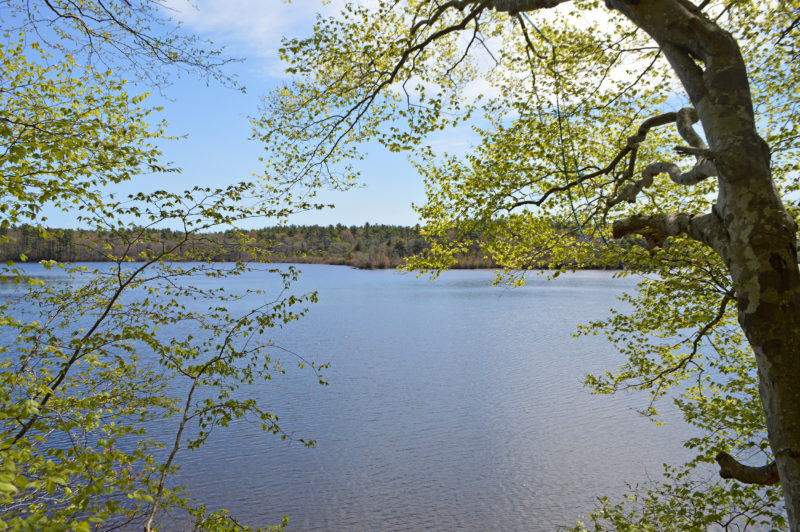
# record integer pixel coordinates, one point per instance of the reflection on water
(452, 405)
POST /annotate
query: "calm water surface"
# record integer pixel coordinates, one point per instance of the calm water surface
(452, 405)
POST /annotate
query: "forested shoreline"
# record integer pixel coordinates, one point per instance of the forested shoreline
(367, 246)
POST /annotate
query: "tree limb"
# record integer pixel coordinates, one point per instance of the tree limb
(697, 152)
(705, 228)
(518, 6)
(686, 359)
(701, 171)
(704, 165)
(684, 119)
(356, 112)
(729, 467)
(629, 192)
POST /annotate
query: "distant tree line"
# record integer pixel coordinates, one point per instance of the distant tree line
(367, 246)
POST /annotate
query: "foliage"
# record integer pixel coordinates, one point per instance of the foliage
(556, 102)
(91, 360)
(66, 130)
(681, 502)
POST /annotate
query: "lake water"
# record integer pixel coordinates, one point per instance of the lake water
(452, 405)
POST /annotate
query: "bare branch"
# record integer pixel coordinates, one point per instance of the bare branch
(629, 192)
(705, 228)
(765, 475)
(703, 168)
(517, 6)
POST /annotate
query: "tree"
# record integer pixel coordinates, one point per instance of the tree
(85, 365)
(572, 149)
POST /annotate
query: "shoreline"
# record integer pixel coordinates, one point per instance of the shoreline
(354, 265)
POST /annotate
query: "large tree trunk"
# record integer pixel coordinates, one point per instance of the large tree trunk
(763, 266)
(757, 237)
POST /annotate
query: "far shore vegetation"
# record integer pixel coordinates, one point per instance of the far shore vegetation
(369, 246)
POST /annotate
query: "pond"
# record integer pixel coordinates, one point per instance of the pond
(452, 405)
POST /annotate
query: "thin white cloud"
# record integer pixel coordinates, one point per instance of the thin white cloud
(251, 28)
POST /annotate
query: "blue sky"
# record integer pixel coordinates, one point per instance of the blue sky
(215, 120)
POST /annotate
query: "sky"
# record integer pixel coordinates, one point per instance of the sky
(213, 121)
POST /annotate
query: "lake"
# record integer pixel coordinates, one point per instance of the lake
(452, 405)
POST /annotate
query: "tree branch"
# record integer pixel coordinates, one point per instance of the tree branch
(629, 192)
(705, 228)
(729, 467)
(453, 4)
(684, 119)
(356, 112)
(689, 357)
(701, 171)
(513, 7)
(704, 165)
